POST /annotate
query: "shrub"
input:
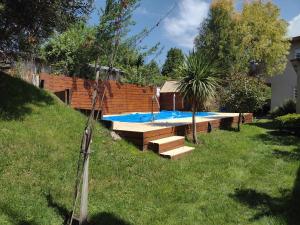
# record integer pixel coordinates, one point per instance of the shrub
(289, 122)
(244, 94)
(286, 108)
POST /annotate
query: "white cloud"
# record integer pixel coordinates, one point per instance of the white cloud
(183, 27)
(145, 12)
(294, 27)
(142, 10)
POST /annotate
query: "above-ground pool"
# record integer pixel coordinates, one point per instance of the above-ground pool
(148, 117)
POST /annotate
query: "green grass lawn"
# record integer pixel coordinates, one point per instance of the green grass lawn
(247, 177)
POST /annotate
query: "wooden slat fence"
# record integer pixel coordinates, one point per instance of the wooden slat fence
(166, 102)
(118, 98)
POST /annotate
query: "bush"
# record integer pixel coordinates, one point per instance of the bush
(286, 108)
(289, 122)
(244, 94)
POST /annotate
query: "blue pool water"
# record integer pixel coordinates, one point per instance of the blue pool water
(147, 117)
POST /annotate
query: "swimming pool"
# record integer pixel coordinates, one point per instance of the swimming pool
(147, 117)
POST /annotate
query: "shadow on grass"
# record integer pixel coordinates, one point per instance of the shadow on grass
(59, 209)
(274, 136)
(278, 138)
(232, 129)
(285, 207)
(106, 218)
(270, 125)
(15, 217)
(288, 156)
(16, 94)
(103, 218)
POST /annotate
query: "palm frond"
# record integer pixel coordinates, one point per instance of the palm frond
(199, 82)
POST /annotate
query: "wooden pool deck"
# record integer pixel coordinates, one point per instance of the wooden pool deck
(141, 134)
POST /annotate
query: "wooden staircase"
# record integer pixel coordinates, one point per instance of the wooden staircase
(170, 147)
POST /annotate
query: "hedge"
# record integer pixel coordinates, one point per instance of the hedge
(289, 122)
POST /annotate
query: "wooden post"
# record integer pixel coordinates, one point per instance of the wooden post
(86, 157)
(152, 108)
(174, 102)
(194, 125)
(239, 121)
(85, 189)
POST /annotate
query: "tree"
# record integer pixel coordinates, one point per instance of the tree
(115, 20)
(175, 59)
(72, 51)
(25, 23)
(216, 35)
(140, 61)
(244, 94)
(252, 42)
(153, 68)
(106, 44)
(148, 74)
(153, 74)
(264, 38)
(115, 48)
(68, 53)
(198, 84)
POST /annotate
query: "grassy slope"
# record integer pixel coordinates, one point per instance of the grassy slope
(250, 177)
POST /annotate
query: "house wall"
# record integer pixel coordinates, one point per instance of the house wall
(298, 91)
(117, 98)
(283, 85)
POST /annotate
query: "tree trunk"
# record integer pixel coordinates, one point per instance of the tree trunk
(194, 130)
(239, 122)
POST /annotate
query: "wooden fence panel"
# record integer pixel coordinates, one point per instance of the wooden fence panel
(166, 102)
(118, 98)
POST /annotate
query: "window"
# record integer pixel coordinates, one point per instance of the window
(295, 93)
(297, 53)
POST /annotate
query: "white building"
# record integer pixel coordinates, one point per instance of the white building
(284, 86)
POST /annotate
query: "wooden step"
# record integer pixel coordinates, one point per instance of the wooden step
(166, 144)
(177, 153)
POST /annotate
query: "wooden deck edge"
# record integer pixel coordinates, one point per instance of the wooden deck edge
(141, 139)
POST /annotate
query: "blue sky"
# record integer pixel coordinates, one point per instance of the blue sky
(180, 27)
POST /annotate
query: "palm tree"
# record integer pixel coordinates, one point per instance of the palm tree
(199, 83)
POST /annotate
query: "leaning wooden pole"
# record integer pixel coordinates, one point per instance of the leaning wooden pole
(86, 153)
(83, 166)
(83, 162)
(85, 184)
(84, 193)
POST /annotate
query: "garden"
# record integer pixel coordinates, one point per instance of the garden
(246, 177)
(244, 174)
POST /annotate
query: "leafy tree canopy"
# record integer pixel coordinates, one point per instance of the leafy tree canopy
(25, 23)
(114, 25)
(107, 44)
(148, 74)
(244, 94)
(252, 41)
(264, 37)
(174, 60)
(72, 50)
(153, 68)
(215, 33)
